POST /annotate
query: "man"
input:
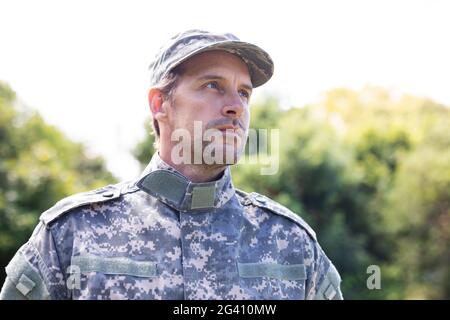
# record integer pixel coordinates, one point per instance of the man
(180, 231)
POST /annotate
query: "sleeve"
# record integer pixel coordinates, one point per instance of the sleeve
(34, 273)
(325, 281)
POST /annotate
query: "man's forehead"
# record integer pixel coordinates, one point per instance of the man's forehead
(216, 64)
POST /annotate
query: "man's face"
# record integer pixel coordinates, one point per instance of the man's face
(213, 93)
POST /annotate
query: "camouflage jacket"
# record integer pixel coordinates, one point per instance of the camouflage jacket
(164, 237)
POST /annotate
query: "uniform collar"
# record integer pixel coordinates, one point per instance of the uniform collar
(164, 182)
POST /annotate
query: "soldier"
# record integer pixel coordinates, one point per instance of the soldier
(181, 230)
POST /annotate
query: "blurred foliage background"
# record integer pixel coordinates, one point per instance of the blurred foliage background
(39, 165)
(369, 170)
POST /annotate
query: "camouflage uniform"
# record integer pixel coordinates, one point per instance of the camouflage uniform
(165, 237)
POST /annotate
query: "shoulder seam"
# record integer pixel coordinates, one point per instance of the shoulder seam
(269, 204)
(79, 200)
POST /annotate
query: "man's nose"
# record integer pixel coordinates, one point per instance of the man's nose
(233, 107)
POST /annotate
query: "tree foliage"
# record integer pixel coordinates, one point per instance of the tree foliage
(39, 165)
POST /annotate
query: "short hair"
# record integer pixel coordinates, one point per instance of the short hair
(167, 86)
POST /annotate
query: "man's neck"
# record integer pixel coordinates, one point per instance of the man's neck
(195, 172)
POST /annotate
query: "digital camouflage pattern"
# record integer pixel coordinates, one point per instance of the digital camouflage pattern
(189, 43)
(135, 241)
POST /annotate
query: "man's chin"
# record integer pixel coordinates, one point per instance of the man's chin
(226, 154)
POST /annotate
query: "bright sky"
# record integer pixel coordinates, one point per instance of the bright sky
(83, 64)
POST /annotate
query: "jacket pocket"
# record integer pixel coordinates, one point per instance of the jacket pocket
(272, 270)
(113, 266)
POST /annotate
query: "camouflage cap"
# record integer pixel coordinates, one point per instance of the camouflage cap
(189, 43)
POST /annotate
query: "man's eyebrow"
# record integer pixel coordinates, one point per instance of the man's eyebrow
(217, 77)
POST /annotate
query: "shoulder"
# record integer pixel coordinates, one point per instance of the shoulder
(271, 206)
(101, 195)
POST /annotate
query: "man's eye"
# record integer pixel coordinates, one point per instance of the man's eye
(244, 93)
(212, 85)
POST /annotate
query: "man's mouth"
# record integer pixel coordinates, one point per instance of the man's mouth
(227, 128)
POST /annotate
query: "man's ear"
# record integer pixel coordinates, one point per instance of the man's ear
(155, 101)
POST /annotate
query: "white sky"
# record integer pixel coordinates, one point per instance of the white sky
(83, 64)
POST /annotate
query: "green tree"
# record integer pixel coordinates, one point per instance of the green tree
(39, 165)
(144, 150)
(417, 214)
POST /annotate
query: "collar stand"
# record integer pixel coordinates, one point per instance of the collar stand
(174, 189)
